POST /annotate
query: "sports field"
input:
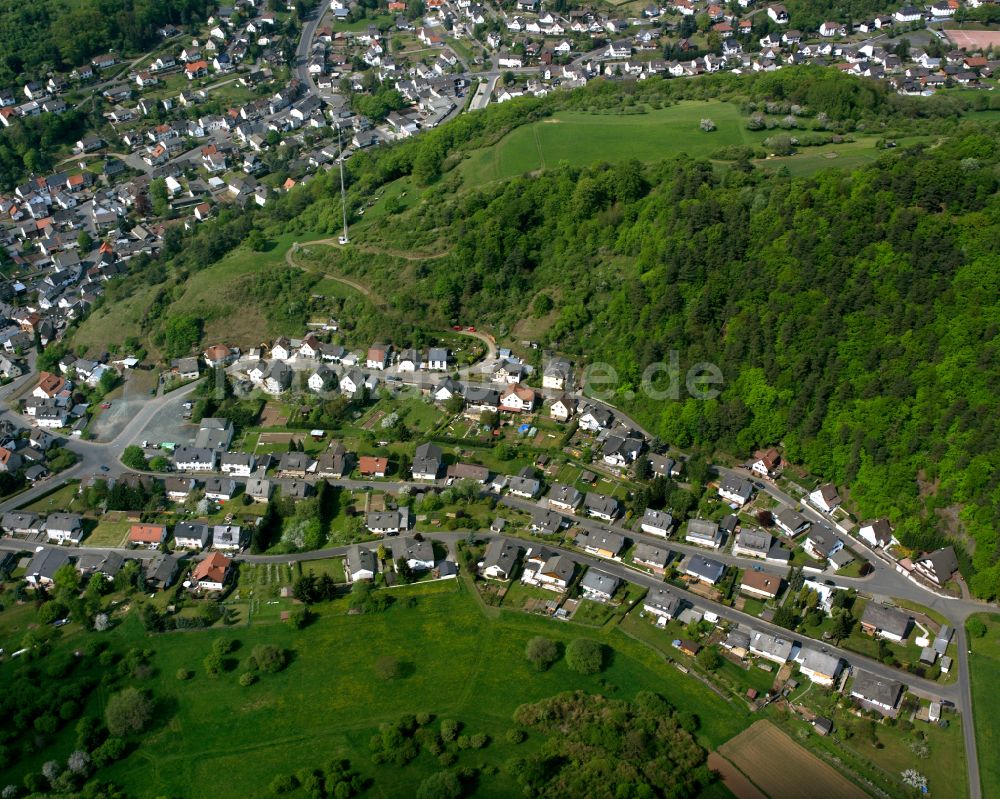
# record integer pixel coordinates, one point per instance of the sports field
(973, 40)
(581, 138)
(781, 768)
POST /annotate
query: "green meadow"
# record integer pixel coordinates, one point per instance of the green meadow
(213, 737)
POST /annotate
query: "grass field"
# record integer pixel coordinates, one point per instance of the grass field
(108, 534)
(781, 768)
(985, 670)
(221, 739)
(581, 138)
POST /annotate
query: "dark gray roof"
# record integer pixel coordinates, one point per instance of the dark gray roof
(600, 582)
(881, 617)
(703, 567)
(878, 689)
(502, 554)
(664, 600)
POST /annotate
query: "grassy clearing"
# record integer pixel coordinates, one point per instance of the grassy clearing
(108, 534)
(984, 666)
(328, 702)
(581, 138)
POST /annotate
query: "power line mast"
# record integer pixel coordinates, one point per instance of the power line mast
(343, 194)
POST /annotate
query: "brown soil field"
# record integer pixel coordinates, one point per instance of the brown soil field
(782, 769)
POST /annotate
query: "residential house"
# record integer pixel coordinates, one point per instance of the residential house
(562, 408)
(752, 542)
(468, 471)
(704, 570)
(296, 464)
(323, 379)
(736, 490)
(427, 462)
(599, 586)
(877, 693)
(388, 522)
(419, 555)
(877, 533)
(938, 566)
(595, 419)
(194, 459)
(825, 497)
(620, 451)
(64, 528)
(147, 535)
(221, 489)
(178, 489)
(546, 522)
(436, 359)
(277, 378)
(548, 569)
(765, 462)
(791, 522)
(885, 622)
(191, 535)
(352, 382)
(228, 537)
(500, 559)
(601, 506)
(517, 398)
(360, 563)
(523, 486)
(334, 462)
(556, 374)
(377, 357)
(564, 497)
(703, 532)
(212, 573)
(259, 489)
(760, 584)
(662, 602)
(371, 466)
(22, 523)
(822, 543)
(652, 556)
(603, 543)
(44, 564)
(771, 647)
(237, 464)
(657, 522)
(819, 665)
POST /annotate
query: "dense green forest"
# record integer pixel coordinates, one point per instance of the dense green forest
(62, 34)
(854, 317)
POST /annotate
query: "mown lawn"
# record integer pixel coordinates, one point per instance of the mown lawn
(580, 139)
(220, 739)
(984, 665)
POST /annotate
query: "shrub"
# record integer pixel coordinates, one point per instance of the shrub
(128, 712)
(388, 668)
(976, 627)
(449, 729)
(284, 783)
(479, 740)
(707, 125)
(542, 652)
(516, 735)
(184, 674)
(268, 658)
(443, 785)
(585, 656)
(247, 678)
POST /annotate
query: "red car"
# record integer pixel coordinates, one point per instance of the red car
(456, 327)
(471, 329)
(105, 405)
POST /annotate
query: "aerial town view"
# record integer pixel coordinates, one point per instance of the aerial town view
(536, 398)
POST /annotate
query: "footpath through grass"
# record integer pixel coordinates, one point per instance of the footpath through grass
(984, 666)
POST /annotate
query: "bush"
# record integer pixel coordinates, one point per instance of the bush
(515, 736)
(184, 674)
(542, 652)
(585, 656)
(388, 668)
(284, 783)
(223, 646)
(108, 752)
(128, 712)
(247, 678)
(443, 785)
(479, 740)
(976, 627)
(449, 729)
(268, 658)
